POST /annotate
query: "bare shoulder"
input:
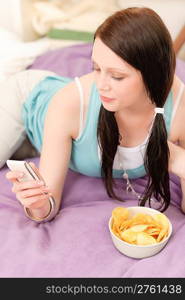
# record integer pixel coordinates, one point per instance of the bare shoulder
(67, 101)
(87, 80)
(69, 96)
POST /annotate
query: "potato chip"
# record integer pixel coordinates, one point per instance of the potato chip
(152, 230)
(120, 214)
(163, 221)
(129, 236)
(114, 228)
(140, 229)
(126, 224)
(138, 219)
(162, 235)
(145, 239)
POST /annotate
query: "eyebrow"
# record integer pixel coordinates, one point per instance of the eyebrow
(111, 69)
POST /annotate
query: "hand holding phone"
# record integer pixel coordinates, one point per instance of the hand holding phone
(30, 188)
(23, 167)
(31, 191)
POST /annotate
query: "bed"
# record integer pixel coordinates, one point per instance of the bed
(77, 242)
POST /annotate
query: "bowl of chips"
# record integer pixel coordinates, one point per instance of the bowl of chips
(138, 231)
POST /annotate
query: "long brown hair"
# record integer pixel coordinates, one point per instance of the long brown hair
(139, 37)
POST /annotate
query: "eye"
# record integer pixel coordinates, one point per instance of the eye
(117, 78)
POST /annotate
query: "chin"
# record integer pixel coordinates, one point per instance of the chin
(109, 107)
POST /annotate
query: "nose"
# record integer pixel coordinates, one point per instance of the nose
(102, 83)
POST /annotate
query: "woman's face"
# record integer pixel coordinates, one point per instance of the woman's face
(119, 84)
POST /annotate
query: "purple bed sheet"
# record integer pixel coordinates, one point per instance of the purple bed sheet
(77, 242)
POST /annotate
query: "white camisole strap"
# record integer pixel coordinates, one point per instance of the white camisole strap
(178, 100)
(79, 86)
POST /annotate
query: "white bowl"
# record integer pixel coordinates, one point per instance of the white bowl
(139, 251)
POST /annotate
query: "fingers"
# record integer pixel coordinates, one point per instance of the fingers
(14, 176)
(32, 184)
(32, 197)
(34, 201)
(32, 194)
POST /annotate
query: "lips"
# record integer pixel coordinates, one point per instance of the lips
(106, 99)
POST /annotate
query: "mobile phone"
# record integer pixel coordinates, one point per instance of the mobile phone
(23, 166)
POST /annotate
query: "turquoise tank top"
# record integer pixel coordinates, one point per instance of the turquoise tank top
(84, 155)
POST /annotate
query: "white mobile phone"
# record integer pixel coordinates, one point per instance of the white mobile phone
(23, 166)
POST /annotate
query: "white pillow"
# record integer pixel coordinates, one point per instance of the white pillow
(7, 37)
(16, 55)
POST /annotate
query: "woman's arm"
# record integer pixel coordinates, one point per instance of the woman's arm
(62, 120)
(61, 124)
